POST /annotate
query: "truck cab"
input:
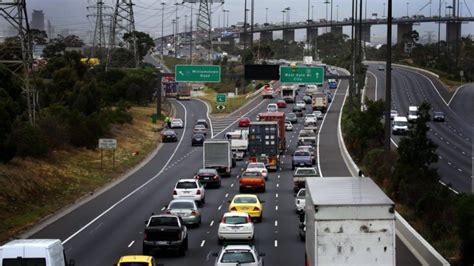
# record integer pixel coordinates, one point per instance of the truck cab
(238, 142)
(44, 252)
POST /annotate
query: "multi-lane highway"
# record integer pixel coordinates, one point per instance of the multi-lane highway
(453, 137)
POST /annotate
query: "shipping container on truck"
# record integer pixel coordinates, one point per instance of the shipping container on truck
(169, 86)
(264, 144)
(217, 154)
(279, 117)
(349, 221)
(183, 91)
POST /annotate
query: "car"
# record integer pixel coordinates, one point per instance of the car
(381, 67)
(301, 158)
(330, 96)
(136, 260)
(332, 84)
(202, 122)
(300, 200)
(258, 167)
(400, 125)
(438, 116)
(288, 126)
(301, 86)
(412, 114)
(177, 123)
(238, 255)
(292, 117)
(244, 122)
(302, 226)
(393, 114)
(186, 209)
(165, 232)
(208, 176)
(169, 136)
(272, 107)
(298, 111)
(319, 115)
(251, 180)
(198, 139)
(310, 119)
(189, 189)
(309, 148)
(307, 99)
(281, 104)
(200, 129)
(235, 226)
(301, 104)
(248, 203)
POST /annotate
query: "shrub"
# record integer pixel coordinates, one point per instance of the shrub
(465, 225)
(28, 140)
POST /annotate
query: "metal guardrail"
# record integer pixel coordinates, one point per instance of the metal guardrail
(420, 248)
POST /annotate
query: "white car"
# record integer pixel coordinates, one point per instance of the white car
(238, 255)
(393, 114)
(189, 189)
(235, 226)
(272, 107)
(288, 126)
(310, 119)
(301, 104)
(300, 200)
(258, 167)
(412, 114)
(318, 114)
(400, 125)
(177, 123)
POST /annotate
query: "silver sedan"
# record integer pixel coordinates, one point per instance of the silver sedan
(186, 209)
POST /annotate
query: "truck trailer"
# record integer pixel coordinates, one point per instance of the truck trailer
(217, 154)
(264, 144)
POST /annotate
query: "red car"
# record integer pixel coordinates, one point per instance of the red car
(281, 104)
(244, 122)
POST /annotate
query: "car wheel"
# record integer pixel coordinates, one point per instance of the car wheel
(241, 189)
(203, 201)
(182, 251)
(186, 246)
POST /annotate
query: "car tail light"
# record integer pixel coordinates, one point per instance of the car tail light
(264, 171)
(215, 177)
(256, 209)
(253, 159)
(198, 192)
(193, 212)
(196, 177)
(233, 209)
(174, 192)
(223, 220)
(247, 219)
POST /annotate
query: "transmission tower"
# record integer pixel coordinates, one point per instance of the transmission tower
(204, 26)
(99, 40)
(16, 14)
(123, 22)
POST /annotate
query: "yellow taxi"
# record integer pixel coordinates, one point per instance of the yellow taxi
(247, 203)
(136, 260)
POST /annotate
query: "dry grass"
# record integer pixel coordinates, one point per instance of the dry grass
(31, 189)
(232, 104)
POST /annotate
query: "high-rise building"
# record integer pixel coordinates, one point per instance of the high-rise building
(37, 20)
(50, 30)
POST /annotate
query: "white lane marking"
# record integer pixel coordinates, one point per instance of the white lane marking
(208, 117)
(231, 185)
(212, 223)
(276, 243)
(444, 184)
(276, 195)
(459, 169)
(164, 207)
(138, 188)
(220, 207)
(203, 242)
(278, 185)
(131, 243)
(276, 223)
(226, 195)
(278, 176)
(276, 208)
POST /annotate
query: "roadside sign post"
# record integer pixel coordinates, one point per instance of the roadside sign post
(107, 144)
(301, 74)
(221, 101)
(198, 73)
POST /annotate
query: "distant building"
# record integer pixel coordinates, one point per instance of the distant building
(50, 31)
(37, 20)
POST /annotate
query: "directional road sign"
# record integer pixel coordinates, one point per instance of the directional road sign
(220, 98)
(302, 75)
(198, 73)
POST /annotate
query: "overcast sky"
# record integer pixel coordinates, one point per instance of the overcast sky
(72, 14)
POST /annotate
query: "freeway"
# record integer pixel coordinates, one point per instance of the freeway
(453, 137)
(461, 103)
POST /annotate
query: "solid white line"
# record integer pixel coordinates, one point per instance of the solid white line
(212, 223)
(276, 243)
(456, 92)
(207, 115)
(131, 243)
(138, 188)
(202, 243)
(444, 184)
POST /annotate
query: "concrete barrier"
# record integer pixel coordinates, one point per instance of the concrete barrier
(421, 249)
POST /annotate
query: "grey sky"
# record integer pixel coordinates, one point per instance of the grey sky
(71, 14)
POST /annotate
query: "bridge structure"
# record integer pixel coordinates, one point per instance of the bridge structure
(404, 25)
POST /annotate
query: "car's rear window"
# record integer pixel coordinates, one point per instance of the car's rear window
(164, 221)
(186, 185)
(235, 220)
(255, 165)
(134, 264)
(245, 200)
(306, 172)
(251, 174)
(237, 257)
(181, 205)
(207, 171)
(302, 153)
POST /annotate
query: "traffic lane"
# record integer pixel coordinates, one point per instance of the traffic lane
(461, 103)
(71, 222)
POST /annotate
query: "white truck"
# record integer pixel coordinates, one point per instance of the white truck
(45, 252)
(239, 143)
(288, 93)
(349, 221)
(217, 154)
(319, 102)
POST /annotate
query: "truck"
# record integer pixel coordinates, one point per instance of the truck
(45, 252)
(319, 102)
(349, 221)
(165, 232)
(308, 60)
(239, 143)
(264, 144)
(183, 91)
(217, 154)
(169, 86)
(307, 137)
(288, 93)
(301, 174)
(268, 91)
(278, 117)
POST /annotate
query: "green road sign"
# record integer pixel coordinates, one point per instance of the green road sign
(220, 98)
(197, 73)
(302, 75)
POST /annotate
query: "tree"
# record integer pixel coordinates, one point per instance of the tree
(10, 49)
(144, 42)
(39, 36)
(465, 228)
(58, 45)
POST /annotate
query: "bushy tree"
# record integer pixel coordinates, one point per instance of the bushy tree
(144, 42)
(465, 228)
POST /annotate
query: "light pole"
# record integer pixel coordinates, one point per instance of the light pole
(245, 25)
(312, 13)
(407, 8)
(383, 12)
(176, 32)
(266, 15)
(283, 17)
(327, 5)
(162, 23)
(337, 12)
(288, 15)
(309, 4)
(174, 35)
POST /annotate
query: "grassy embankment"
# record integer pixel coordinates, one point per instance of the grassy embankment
(31, 189)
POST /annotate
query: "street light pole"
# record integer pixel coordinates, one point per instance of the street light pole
(245, 25)
(383, 16)
(176, 32)
(407, 8)
(252, 22)
(283, 17)
(191, 37)
(309, 4)
(337, 12)
(388, 79)
(162, 24)
(312, 13)
(266, 15)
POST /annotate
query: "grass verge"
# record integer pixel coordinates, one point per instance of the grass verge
(31, 189)
(233, 103)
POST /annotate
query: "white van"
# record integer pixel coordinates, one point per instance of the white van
(412, 113)
(41, 252)
(400, 125)
(272, 107)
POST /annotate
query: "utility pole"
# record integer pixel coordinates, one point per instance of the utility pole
(16, 14)
(175, 36)
(245, 25)
(309, 4)
(162, 26)
(191, 37)
(123, 21)
(99, 41)
(388, 79)
(266, 15)
(204, 26)
(252, 22)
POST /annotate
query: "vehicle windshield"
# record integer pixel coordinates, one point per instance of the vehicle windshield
(199, 127)
(291, 115)
(164, 221)
(181, 205)
(251, 174)
(187, 184)
(240, 256)
(412, 112)
(245, 200)
(302, 193)
(310, 171)
(207, 171)
(24, 261)
(256, 165)
(310, 116)
(400, 123)
(439, 113)
(235, 220)
(168, 132)
(307, 133)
